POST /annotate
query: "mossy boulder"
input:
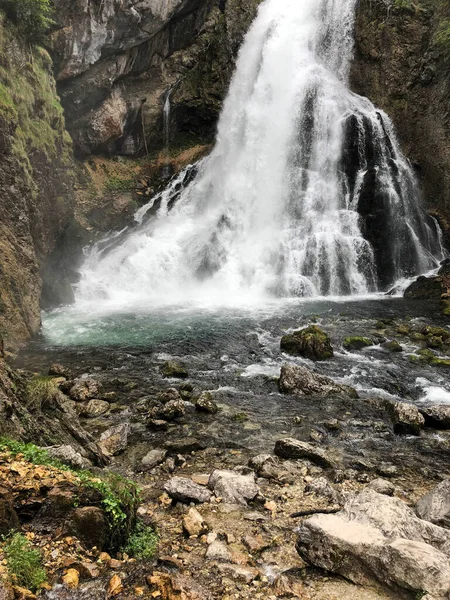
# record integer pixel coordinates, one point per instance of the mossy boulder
(171, 368)
(392, 346)
(356, 343)
(311, 342)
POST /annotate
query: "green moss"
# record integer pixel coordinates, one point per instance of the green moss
(24, 563)
(442, 37)
(356, 343)
(142, 543)
(117, 184)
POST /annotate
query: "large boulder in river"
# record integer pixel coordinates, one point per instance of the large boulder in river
(431, 288)
(406, 418)
(435, 506)
(376, 537)
(311, 342)
(300, 381)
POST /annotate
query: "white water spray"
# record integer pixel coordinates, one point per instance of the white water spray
(306, 192)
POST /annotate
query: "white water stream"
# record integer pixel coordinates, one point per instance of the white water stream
(287, 203)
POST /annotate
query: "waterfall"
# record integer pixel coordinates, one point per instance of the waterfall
(166, 128)
(306, 192)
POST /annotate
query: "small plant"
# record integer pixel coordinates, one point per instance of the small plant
(40, 392)
(442, 37)
(33, 18)
(24, 563)
(142, 543)
(31, 453)
(116, 184)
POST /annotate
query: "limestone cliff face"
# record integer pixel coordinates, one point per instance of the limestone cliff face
(36, 182)
(401, 68)
(116, 61)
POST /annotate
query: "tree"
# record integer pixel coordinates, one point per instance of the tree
(33, 18)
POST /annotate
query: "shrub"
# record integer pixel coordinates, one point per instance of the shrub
(41, 390)
(24, 563)
(33, 18)
(442, 37)
(142, 543)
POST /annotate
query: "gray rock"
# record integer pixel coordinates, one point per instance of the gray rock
(406, 418)
(322, 487)
(69, 456)
(435, 506)
(218, 551)
(153, 459)
(95, 408)
(206, 404)
(233, 487)
(85, 389)
(184, 445)
(114, 440)
(381, 486)
(300, 381)
(166, 396)
(291, 448)
(437, 416)
(185, 490)
(376, 536)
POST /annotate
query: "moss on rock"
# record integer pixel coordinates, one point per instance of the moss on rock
(311, 342)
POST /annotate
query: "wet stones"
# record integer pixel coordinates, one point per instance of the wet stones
(437, 416)
(184, 445)
(85, 389)
(311, 342)
(173, 369)
(295, 449)
(174, 409)
(152, 459)
(356, 343)
(300, 381)
(205, 403)
(185, 490)
(406, 418)
(435, 506)
(392, 346)
(233, 487)
(94, 408)
(89, 524)
(114, 440)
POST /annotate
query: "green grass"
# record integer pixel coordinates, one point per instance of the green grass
(40, 392)
(142, 543)
(24, 563)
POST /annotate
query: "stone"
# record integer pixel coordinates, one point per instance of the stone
(153, 459)
(311, 342)
(255, 543)
(376, 536)
(9, 519)
(89, 525)
(6, 591)
(114, 440)
(392, 346)
(381, 486)
(356, 343)
(174, 409)
(206, 404)
(173, 369)
(233, 487)
(175, 587)
(167, 395)
(436, 416)
(158, 424)
(194, 524)
(406, 418)
(292, 448)
(184, 445)
(85, 389)
(71, 578)
(69, 456)
(322, 487)
(218, 551)
(186, 491)
(95, 408)
(430, 288)
(300, 381)
(57, 370)
(435, 506)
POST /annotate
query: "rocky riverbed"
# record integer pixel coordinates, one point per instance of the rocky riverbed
(280, 454)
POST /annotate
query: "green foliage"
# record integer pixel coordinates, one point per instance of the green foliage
(33, 18)
(142, 543)
(117, 184)
(31, 453)
(442, 37)
(24, 563)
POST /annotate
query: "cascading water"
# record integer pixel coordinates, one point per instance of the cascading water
(306, 192)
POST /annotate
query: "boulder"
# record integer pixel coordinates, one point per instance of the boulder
(218, 551)
(436, 416)
(292, 448)
(69, 456)
(431, 288)
(173, 369)
(321, 487)
(57, 370)
(114, 440)
(184, 445)
(435, 506)
(85, 389)
(406, 418)
(205, 403)
(95, 408)
(185, 490)
(392, 346)
(356, 343)
(381, 486)
(89, 525)
(300, 381)
(233, 487)
(8, 516)
(378, 537)
(174, 409)
(311, 342)
(194, 524)
(167, 395)
(153, 459)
